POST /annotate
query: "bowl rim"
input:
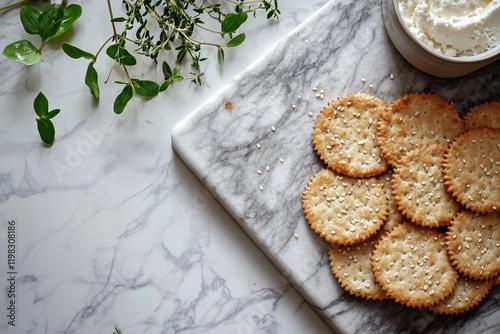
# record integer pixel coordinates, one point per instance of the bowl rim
(492, 53)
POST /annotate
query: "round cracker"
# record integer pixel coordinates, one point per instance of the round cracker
(351, 267)
(415, 120)
(485, 114)
(410, 263)
(467, 294)
(344, 135)
(471, 169)
(473, 244)
(418, 189)
(342, 209)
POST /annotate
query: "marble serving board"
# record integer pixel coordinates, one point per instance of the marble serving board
(263, 120)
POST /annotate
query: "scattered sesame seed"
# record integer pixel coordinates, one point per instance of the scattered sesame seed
(259, 171)
(267, 168)
(296, 236)
(273, 128)
(391, 76)
(363, 80)
(258, 145)
(261, 188)
(310, 114)
(281, 160)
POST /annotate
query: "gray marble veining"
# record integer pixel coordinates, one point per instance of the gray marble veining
(272, 105)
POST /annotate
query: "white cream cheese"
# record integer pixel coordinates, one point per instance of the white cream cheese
(454, 27)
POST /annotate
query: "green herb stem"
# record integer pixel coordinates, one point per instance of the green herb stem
(207, 29)
(129, 79)
(110, 10)
(103, 45)
(238, 3)
(109, 73)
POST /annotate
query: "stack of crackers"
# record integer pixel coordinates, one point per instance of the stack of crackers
(409, 199)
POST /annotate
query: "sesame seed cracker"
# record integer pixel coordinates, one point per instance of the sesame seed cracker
(418, 189)
(344, 135)
(412, 266)
(414, 120)
(473, 244)
(471, 169)
(485, 114)
(343, 209)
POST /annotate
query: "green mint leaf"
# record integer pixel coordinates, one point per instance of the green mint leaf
(49, 21)
(46, 130)
(220, 56)
(75, 52)
(146, 88)
(23, 52)
(235, 41)
(53, 113)
(120, 55)
(164, 86)
(29, 18)
(122, 99)
(92, 80)
(167, 72)
(70, 15)
(41, 105)
(232, 21)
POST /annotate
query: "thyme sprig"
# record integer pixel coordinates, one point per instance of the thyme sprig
(177, 27)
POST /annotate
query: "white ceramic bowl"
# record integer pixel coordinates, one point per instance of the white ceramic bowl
(422, 57)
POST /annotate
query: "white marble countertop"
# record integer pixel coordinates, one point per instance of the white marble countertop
(124, 234)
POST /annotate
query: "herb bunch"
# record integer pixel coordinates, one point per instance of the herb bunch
(151, 28)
